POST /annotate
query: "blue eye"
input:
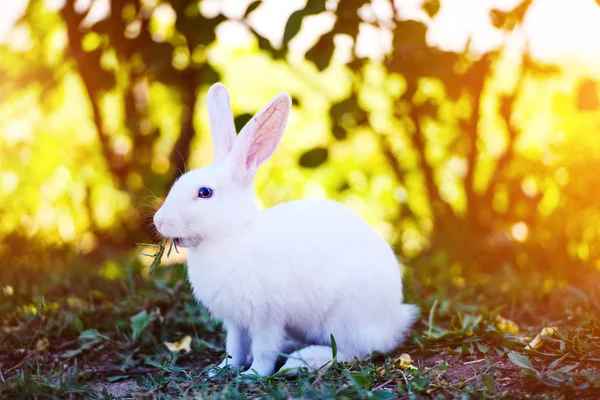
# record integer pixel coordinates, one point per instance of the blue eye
(205, 192)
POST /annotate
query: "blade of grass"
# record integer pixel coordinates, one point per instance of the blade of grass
(431, 314)
(157, 257)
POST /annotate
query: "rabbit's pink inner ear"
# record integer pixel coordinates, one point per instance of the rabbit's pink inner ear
(258, 140)
(268, 129)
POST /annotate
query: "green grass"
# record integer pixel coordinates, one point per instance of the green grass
(83, 336)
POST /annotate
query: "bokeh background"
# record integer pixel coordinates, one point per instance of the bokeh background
(464, 131)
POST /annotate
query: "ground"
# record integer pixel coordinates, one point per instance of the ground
(146, 338)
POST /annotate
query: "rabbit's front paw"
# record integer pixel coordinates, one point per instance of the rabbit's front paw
(262, 366)
(266, 346)
(258, 371)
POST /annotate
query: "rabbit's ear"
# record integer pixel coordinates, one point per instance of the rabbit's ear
(258, 140)
(220, 117)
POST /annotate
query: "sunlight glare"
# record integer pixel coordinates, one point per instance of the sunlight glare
(556, 33)
(520, 231)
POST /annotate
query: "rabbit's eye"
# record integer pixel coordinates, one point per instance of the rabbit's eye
(205, 192)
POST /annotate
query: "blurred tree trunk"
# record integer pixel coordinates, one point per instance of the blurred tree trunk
(131, 171)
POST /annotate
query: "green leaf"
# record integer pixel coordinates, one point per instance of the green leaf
(520, 360)
(294, 22)
(210, 75)
(360, 380)
(313, 158)
(253, 6)
(339, 132)
(529, 374)
(198, 30)
(384, 394)
(347, 114)
(71, 353)
(78, 324)
(322, 51)
(116, 378)
(565, 369)
(152, 363)
(315, 6)
(292, 27)
(431, 7)
(508, 20)
(92, 334)
(556, 362)
(333, 347)
(482, 348)
(139, 322)
(265, 44)
(241, 120)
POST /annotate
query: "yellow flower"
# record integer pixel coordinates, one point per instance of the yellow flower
(537, 341)
(182, 345)
(30, 309)
(459, 282)
(405, 362)
(8, 290)
(506, 325)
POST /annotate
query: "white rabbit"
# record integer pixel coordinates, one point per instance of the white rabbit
(302, 270)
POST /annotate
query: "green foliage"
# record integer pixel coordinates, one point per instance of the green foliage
(28, 385)
(461, 352)
(322, 52)
(509, 19)
(431, 7)
(314, 157)
(292, 27)
(520, 360)
(241, 120)
(139, 322)
(430, 146)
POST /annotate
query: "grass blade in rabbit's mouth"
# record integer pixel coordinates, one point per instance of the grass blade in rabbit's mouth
(187, 241)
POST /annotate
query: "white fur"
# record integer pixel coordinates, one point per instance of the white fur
(302, 270)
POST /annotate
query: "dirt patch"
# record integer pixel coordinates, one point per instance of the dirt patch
(508, 382)
(118, 389)
(466, 367)
(127, 387)
(471, 369)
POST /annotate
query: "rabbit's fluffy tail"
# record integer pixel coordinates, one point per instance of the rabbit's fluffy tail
(408, 314)
(316, 356)
(311, 357)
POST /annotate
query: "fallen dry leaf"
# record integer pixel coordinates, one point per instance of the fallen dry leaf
(42, 344)
(184, 345)
(405, 362)
(537, 341)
